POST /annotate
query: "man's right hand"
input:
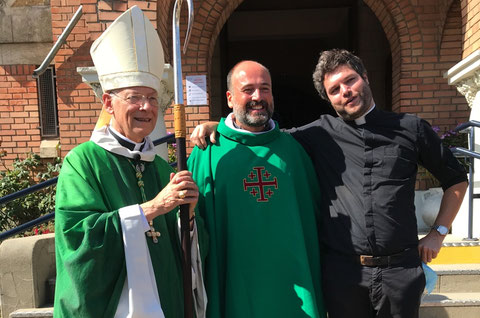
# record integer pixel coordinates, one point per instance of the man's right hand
(180, 190)
(198, 135)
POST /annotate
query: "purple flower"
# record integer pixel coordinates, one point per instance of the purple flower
(448, 134)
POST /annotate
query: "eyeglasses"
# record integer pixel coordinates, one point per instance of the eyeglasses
(138, 100)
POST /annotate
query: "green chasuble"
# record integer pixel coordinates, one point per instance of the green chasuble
(93, 185)
(259, 199)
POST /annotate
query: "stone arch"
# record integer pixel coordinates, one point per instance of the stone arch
(444, 9)
(450, 52)
(398, 32)
(210, 16)
(451, 19)
(164, 26)
(399, 22)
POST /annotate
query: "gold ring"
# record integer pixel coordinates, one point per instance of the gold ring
(181, 194)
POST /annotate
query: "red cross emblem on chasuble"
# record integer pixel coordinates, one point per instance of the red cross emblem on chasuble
(258, 185)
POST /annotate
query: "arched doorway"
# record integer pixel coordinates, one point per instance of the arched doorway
(287, 36)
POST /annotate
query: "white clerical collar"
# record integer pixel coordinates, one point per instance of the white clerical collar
(136, 146)
(229, 122)
(361, 120)
(104, 138)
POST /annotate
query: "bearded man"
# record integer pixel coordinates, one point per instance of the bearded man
(259, 197)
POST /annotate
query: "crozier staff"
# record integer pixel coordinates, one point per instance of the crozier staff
(260, 201)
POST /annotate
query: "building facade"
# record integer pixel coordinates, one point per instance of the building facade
(407, 46)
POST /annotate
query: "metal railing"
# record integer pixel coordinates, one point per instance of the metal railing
(470, 155)
(47, 217)
(458, 151)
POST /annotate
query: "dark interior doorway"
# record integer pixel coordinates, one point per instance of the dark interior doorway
(287, 37)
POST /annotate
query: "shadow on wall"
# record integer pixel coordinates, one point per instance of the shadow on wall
(68, 79)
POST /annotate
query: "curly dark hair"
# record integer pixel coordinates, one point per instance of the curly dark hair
(329, 61)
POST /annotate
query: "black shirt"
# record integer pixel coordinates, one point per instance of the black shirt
(367, 174)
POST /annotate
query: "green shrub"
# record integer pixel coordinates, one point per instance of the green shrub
(172, 153)
(25, 173)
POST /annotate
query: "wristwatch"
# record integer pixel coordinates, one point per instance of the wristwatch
(442, 230)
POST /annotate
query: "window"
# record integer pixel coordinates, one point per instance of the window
(47, 103)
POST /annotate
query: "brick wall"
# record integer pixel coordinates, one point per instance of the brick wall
(200, 49)
(470, 10)
(425, 41)
(164, 26)
(441, 103)
(452, 106)
(426, 38)
(428, 54)
(19, 118)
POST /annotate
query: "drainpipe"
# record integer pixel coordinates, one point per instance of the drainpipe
(60, 41)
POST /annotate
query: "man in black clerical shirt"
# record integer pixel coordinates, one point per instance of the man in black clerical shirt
(366, 162)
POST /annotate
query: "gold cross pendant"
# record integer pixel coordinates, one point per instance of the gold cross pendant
(153, 234)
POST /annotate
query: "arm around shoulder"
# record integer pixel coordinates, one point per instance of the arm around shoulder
(202, 131)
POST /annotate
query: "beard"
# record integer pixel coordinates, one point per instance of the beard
(254, 118)
(365, 97)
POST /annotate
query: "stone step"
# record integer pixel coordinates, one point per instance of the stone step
(450, 305)
(458, 253)
(46, 312)
(456, 278)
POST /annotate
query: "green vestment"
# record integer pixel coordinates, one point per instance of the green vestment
(259, 198)
(93, 185)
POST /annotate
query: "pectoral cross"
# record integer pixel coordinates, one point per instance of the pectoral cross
(139, 168)
(153, 234)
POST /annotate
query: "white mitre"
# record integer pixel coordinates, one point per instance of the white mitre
(129, 53)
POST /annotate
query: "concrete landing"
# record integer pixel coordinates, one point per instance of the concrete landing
(33, 312)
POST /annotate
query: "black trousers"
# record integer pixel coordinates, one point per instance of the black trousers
(352, 290)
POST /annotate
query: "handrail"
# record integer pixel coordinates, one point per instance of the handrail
(25, 226)
(164, 139)
(27, 191)
(60, 41)
(468, 124)
(465, 152)
(44, 184)
(470, 156)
